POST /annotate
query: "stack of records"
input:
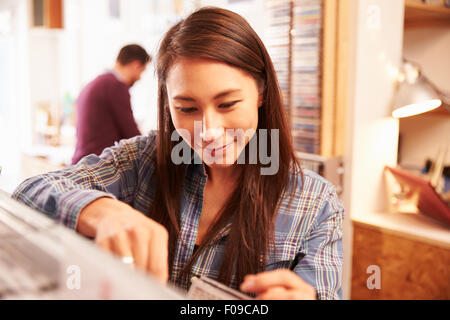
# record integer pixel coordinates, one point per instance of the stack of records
(305, 87)
(278, 43)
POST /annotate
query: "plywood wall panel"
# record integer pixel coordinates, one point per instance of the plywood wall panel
(409, 269)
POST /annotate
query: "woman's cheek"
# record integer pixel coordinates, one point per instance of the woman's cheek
(184, 129)
(187, 135)
(249, 123)
(246, 118)
(252, 116)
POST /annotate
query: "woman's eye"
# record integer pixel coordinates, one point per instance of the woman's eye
(228, 105)
(187, 110)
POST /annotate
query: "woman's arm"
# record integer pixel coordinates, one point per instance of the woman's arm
(323, 263)
(86, 197)
(64, 193)
(120, 229)
(319, 272)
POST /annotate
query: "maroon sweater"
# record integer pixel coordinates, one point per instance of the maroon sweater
(104, 115)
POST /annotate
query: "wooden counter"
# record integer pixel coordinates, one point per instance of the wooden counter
(412, 251)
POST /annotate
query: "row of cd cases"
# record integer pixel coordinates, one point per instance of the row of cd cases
(294, 43)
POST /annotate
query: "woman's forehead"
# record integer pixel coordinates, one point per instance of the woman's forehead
(193, 75)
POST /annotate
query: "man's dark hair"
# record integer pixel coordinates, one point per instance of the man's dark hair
(133, 52)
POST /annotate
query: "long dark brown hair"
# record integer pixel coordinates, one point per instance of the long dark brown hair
(224, 36)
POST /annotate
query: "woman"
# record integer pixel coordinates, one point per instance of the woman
(213, 211)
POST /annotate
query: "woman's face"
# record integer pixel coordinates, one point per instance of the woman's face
(209, 101)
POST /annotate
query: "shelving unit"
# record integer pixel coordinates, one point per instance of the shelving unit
(420, 15)
(411, 250)
(426, 33)
(417, 14)
(302, 41)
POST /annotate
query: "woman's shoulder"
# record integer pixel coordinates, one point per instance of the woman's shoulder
(137, 147)
(313, 194)
(147, 143)
(311, 203)
(310, 184)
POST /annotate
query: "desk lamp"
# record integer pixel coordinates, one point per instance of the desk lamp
(415, 94)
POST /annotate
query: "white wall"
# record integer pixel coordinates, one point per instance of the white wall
(44, 67)
(430, 47)
(372, 134)
(422, 137)
(15, 120)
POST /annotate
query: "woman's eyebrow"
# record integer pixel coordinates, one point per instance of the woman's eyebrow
(225, 93)
(217, 96)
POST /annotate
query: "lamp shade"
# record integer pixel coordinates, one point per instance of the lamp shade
(414, 95)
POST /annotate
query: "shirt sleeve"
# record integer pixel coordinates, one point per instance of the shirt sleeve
(123, 113)
(322, 265)
(64, 193)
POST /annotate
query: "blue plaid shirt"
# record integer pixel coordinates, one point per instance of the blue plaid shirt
(311, 227)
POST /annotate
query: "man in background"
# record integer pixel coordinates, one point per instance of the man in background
(104, 113)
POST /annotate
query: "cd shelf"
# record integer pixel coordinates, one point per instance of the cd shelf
(294, 43)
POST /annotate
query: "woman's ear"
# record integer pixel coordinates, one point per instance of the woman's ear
(260, 100)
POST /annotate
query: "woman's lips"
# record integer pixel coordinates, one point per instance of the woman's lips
(213, 151)
(220, 149)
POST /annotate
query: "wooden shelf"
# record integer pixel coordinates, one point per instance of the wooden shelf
(414, 226)
(417, 13)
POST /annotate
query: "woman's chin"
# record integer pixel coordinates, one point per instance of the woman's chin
(219, 165)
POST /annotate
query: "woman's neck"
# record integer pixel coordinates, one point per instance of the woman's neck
(223, 176)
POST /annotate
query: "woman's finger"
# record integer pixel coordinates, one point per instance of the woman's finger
(158, 254)
(275, 293)
(120, 244)
(139, 240)
(265, 280)
(103, 243)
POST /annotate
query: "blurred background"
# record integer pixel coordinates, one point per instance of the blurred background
(345, 67)
(50, 49)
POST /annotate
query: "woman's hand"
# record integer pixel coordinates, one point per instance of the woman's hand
(279, 284)
(119, 228)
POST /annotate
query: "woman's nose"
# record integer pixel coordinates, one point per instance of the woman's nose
(212, 127)
(211, 134)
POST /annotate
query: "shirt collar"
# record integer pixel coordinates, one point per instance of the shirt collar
(196, 164)
(117, 75)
